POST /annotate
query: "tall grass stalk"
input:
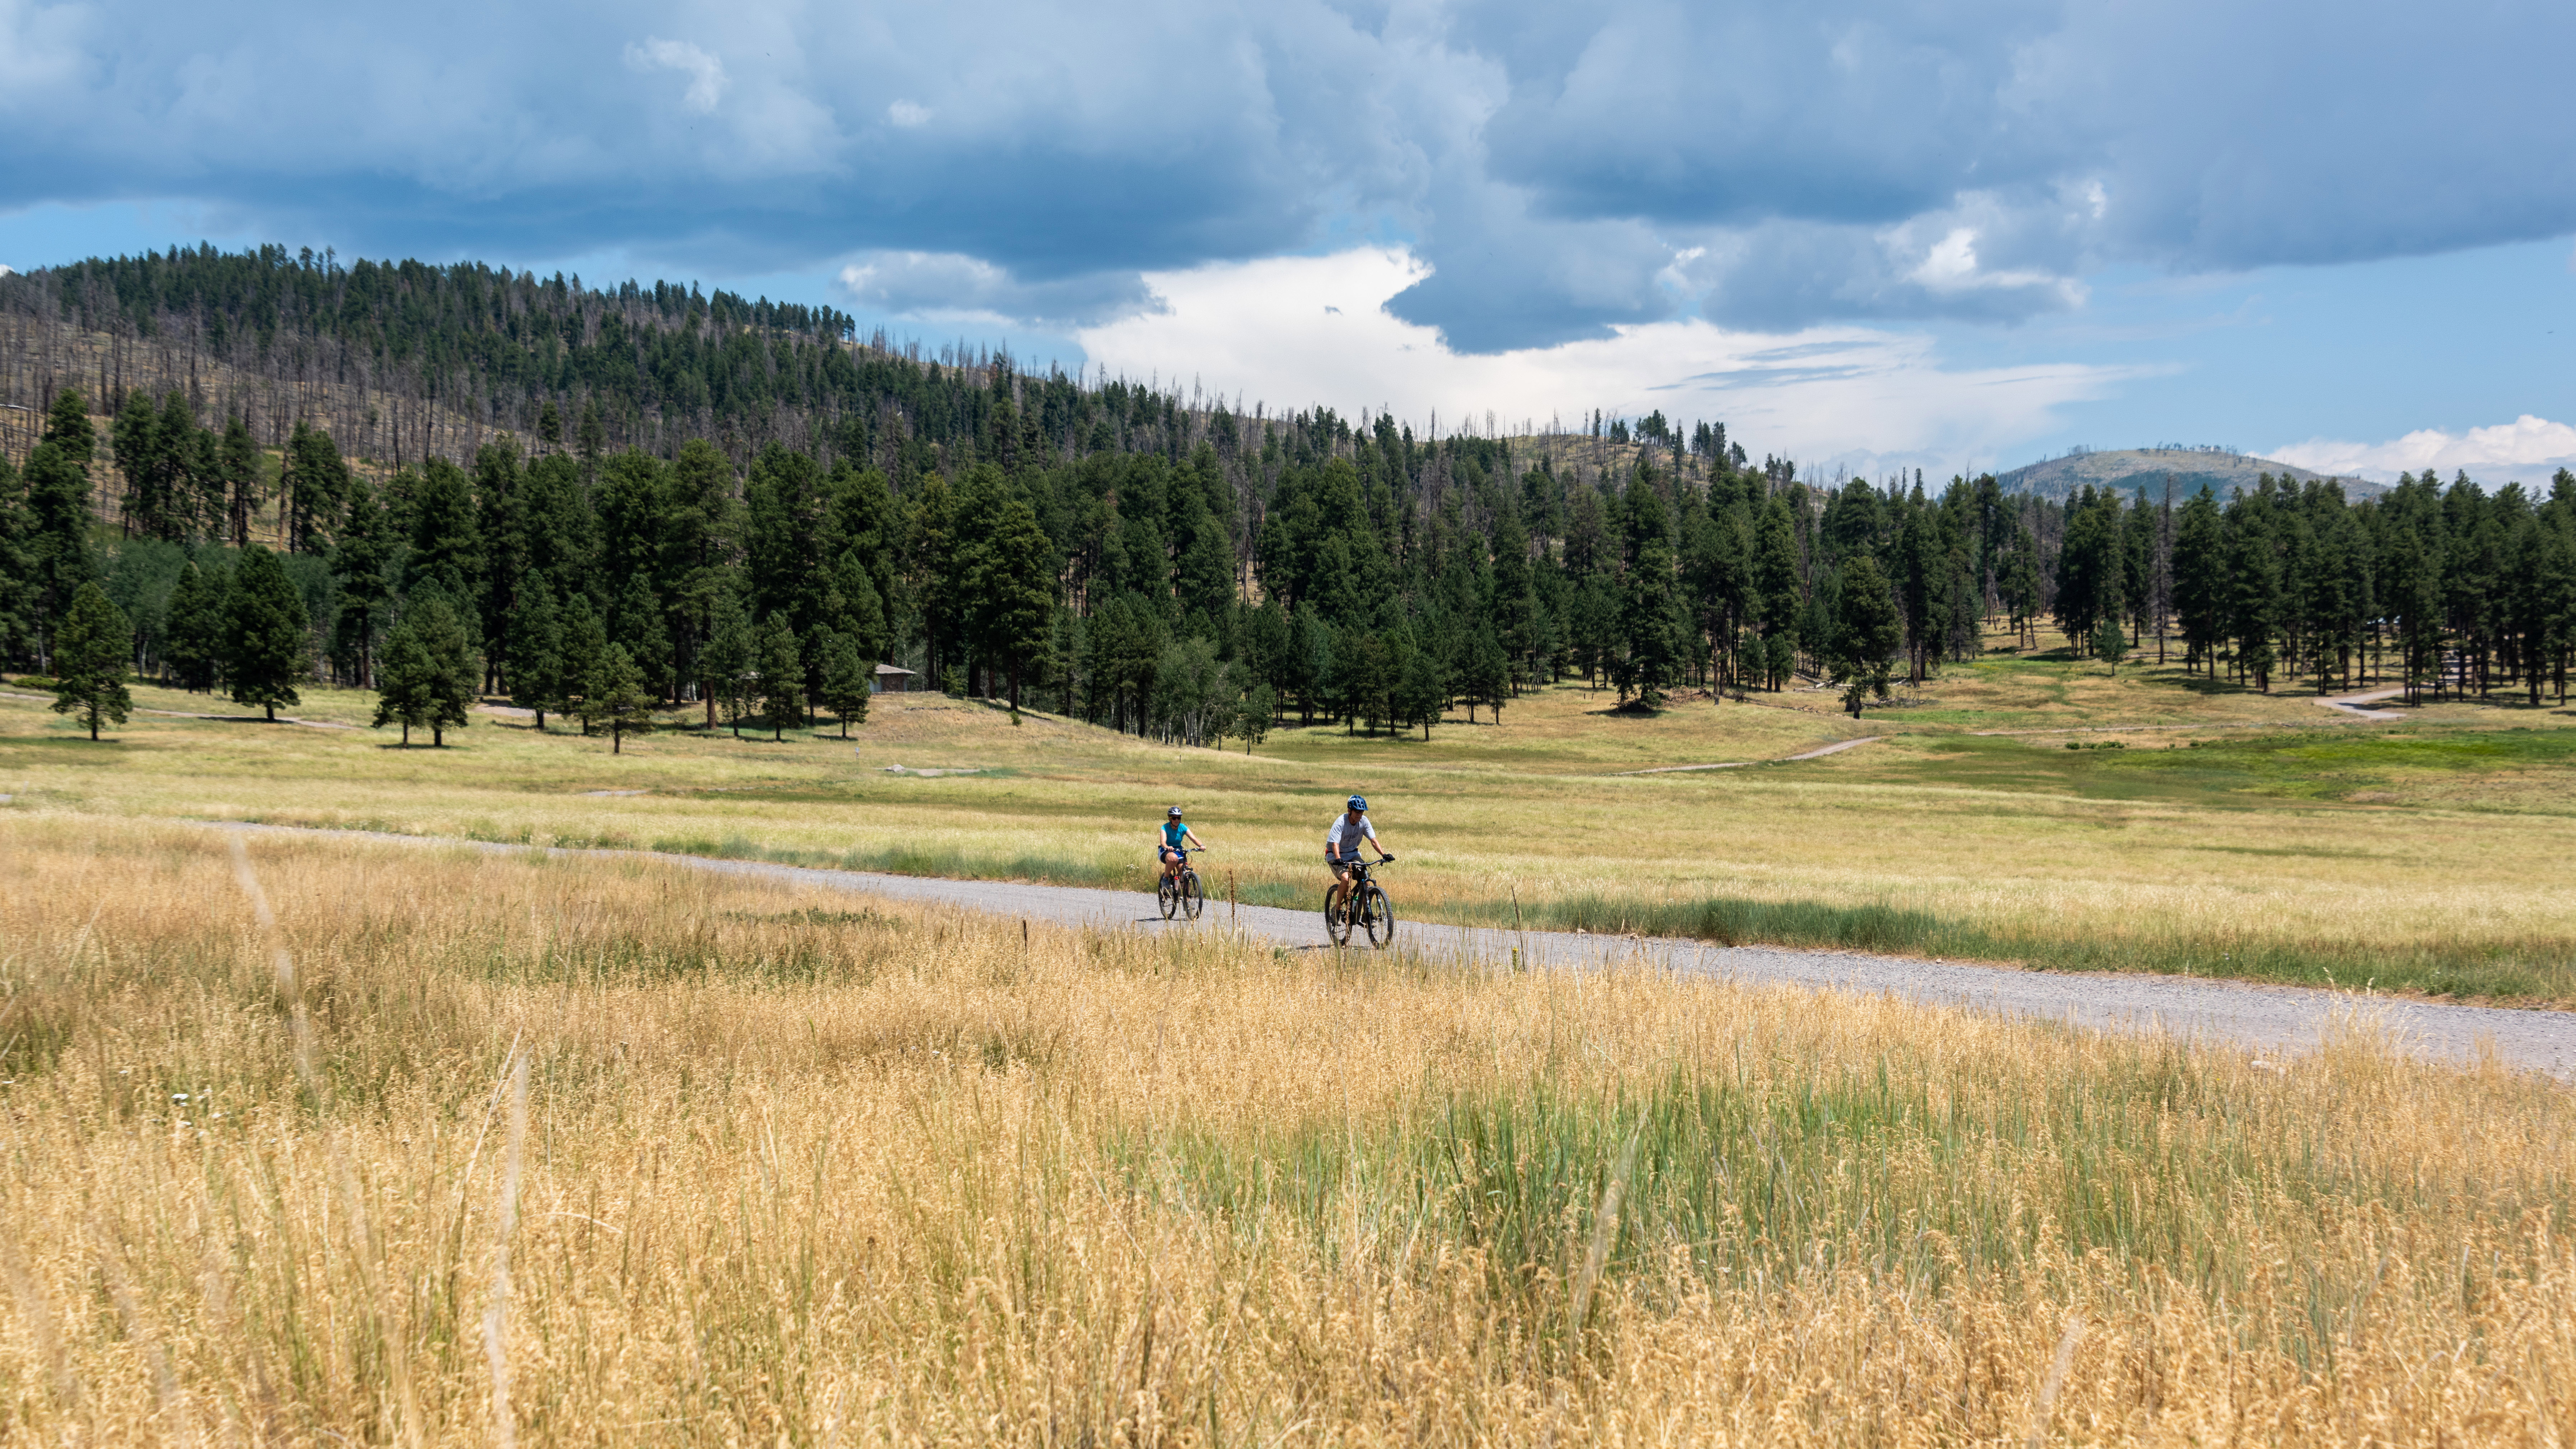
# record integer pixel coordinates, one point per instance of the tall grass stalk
(496, 1317)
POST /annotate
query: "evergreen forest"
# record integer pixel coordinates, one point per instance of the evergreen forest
(451, 483)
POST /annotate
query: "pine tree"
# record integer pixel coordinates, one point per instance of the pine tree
(92, 648)
(1486, 677)
(138, 447)
(1869, 631)
(194, 458)
(2110, 643)
(446, 537)
(2089, 567)
(855, 607)
(1307, 663)
(585, 638)
(1649, 616)
(58, 492)
(848, 678)
(731, 654)
(2254, 573)
(1923, 568)
(1592, 627)
(784, 561)
(636, 622)
(361, 569)
(444, 631)
(264, 633)
(406, 679)
(16, 587)
(429, 672)
(536, 649)
(316, 485)
(2018, 582)
(2200, 580)
(1776, 573)
(1253, 714)
(192, 646)
(590, 436)
(239, 475)
(615, 695)
(1715, 579)
(562, 529)
(782, 675)
(1012, 585)
(1421, 691)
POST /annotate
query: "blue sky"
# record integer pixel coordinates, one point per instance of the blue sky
(1868, 235)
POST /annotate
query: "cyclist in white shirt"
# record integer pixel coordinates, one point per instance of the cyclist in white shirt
(1342, 844)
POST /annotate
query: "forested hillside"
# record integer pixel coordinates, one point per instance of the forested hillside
(459, 480)
(2183, 471)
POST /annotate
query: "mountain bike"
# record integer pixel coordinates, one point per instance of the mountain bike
(1363, 905)
(1180, 892)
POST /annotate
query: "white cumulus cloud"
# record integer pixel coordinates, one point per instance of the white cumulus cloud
(1306, 331)
(908, 114)
(705, 72)
(2526, 450)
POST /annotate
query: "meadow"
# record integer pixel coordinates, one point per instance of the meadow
(2191, 827)
(334, 1142)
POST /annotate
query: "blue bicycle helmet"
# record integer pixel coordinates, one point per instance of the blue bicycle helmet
(1173, 813)
(1359, 802)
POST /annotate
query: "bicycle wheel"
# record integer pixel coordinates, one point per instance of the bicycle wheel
(1165, 897)
(1337, 921)
(1192, 898)
(1378, 914)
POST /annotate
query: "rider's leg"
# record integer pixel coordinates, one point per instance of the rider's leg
(1341, 882)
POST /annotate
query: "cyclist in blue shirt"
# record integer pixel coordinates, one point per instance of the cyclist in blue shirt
(1342, 844)
(1172, 838)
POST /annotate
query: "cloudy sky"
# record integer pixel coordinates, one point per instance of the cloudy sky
(1862, 234)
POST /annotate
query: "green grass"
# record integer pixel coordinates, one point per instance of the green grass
(2539, 971)
(1908, 1167)
(2324, 764)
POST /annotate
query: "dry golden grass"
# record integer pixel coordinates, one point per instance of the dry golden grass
(2011, 848)
(798, 1170)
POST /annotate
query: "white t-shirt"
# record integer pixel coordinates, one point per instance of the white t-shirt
(1343, 840)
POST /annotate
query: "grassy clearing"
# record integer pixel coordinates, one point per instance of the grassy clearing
(791, 1170)
(2271, 839)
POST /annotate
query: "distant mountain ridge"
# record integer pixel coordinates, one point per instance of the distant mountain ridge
(2131, 469)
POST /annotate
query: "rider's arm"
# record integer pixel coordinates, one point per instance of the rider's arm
(1193, 837)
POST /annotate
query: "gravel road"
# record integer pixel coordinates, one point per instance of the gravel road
(2284, 1019)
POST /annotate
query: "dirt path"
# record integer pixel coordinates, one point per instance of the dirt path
(2351, 704)
(1838, 747)
(2271, 1019)
(1833, 749)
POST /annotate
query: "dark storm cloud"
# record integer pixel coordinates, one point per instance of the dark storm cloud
(1563, 169)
